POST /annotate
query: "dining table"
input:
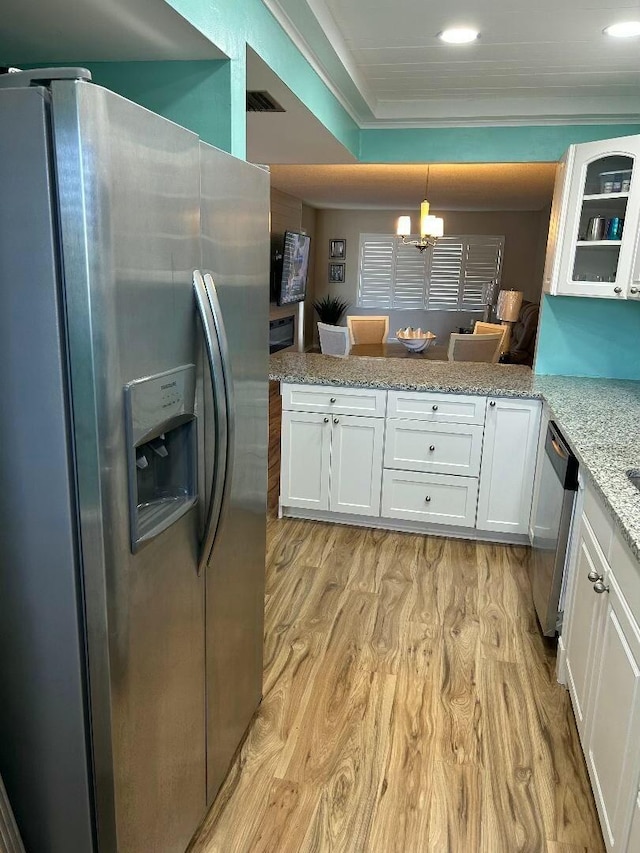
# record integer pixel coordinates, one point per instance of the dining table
(394, 349)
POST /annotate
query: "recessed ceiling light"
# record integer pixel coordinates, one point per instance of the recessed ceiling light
(458, 35)
(623, 30)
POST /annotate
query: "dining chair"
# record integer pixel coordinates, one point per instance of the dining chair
(334, 340)
(368, 329)
(474, 347)
(482, 328)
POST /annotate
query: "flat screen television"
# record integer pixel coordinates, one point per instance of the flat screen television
(291, 268)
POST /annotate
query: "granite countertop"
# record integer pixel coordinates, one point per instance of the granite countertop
(404, 374)
(599, 417)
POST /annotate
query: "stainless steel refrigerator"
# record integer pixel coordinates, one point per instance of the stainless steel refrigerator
(133, 441)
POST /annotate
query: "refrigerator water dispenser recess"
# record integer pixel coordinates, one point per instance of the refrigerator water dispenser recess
(161, 451)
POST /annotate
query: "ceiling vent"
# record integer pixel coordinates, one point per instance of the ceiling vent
(263, 102)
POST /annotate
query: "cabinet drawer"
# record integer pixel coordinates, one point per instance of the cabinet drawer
(324, 398)
(432, 406)
(435, 448)
(433, 498)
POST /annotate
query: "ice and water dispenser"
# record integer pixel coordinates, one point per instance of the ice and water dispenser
(161, 449)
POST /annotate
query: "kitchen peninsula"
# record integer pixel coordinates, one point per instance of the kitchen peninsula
(416, 416)
(599, 417)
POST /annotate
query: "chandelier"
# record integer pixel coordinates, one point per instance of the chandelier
(431, 227)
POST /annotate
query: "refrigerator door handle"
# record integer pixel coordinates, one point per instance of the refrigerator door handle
(222, 389)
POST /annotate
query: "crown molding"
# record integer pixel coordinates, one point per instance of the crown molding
(312, 58)
(331, 30)
(500, 121)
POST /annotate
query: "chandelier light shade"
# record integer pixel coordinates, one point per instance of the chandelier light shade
(431, 227)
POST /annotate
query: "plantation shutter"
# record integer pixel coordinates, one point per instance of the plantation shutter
(445, 273)
(454, 275)
(377, 252)
(410, 277)
(483, 265)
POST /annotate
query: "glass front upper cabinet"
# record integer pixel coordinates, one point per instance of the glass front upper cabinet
(595, 217)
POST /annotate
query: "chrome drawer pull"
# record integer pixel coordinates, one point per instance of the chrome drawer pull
(599, 587)
(432, 448)
(427, 499)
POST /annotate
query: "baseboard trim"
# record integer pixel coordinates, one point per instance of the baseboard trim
(449, 531)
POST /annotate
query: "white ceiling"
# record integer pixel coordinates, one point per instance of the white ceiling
(546, 60)
(117, 30)
(467, 186)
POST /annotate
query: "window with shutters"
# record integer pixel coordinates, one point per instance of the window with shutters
(453, 276)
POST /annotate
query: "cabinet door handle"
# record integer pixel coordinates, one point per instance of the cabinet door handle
(617, 290)
(633, 290)
(600, 587)
(427, 499)
(432, 447)
(492, 403)
(336, 421)
(593, 576)
(435, 408)
(332, 400)
(326, 420)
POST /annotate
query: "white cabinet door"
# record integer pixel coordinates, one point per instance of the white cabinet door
(634, 837)
(613, 752)
(356, 464)
(305, 450)
(594, 264)
(583, 621)
(508, 465)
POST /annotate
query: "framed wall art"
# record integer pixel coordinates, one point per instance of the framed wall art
(338, 249)
(336, 273)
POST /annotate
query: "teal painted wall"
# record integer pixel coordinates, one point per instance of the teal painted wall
(481, 144)
(194, 94)
(209, 96)
(233, 24)
(589, 337)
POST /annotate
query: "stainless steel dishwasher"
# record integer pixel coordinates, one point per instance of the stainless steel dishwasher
(550, 527)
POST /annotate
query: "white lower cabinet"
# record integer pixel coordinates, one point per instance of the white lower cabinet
(634, 837)
(602, 641)
(433, 498)
(304, 472)
(447, 458)
(586, 614)
(613, 731)
(508, 465)
(331, 462)
(356, 465)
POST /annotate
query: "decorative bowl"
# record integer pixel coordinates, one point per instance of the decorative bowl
(415, 340)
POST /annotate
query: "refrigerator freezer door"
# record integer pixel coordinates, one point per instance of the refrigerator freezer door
(235, 249)
(129, 192)
(43, 722)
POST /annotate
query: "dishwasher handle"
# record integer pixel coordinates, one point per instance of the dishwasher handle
(561, 457)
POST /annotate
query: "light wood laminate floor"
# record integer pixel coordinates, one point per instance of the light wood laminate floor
(410, 705)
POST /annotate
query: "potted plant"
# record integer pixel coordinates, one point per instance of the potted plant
(330, 309)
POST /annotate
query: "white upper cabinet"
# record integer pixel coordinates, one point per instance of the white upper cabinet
(594, 224)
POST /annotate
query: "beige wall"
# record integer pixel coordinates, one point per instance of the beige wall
(290, 214)
(525, 238)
